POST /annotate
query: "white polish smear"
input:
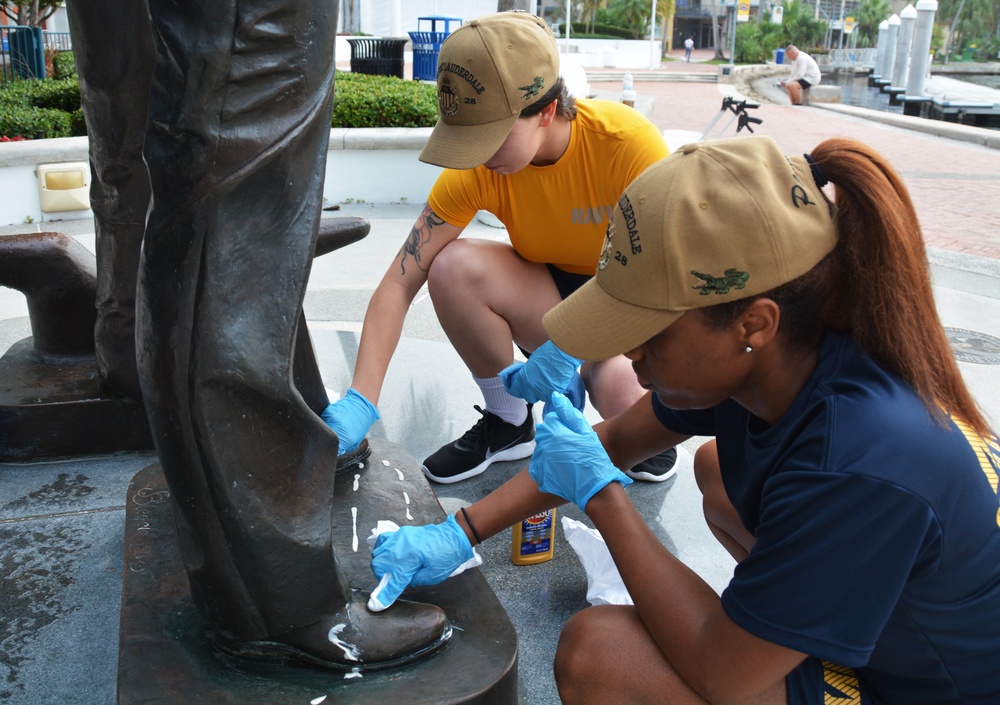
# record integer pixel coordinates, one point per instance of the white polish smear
(356, 478)
(408, 515)
(386, 463)
(361, 466)
(406, 498)
(354, 519)
(317, 701)
(400, 473)
(350, 650)
(355, 673)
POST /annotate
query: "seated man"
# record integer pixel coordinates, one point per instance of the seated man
(805, 73)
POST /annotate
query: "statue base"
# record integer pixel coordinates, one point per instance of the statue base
(164, 656)
(54, 409)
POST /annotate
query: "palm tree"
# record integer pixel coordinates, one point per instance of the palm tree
(665, 12)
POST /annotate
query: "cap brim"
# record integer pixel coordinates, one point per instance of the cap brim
(465, 146)
(591, 324)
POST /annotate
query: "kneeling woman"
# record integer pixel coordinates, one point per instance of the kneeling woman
(851, 473)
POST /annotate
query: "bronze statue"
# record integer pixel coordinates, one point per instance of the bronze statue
(235, 144)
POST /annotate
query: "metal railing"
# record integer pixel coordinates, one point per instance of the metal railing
(58, 41)
(692, 11)
(853, 58)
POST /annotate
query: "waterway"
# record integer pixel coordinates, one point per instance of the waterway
(958, 88)
(854, 90)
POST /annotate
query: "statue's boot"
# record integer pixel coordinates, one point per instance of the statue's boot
(114, 93)
(57, 276)
(352, 638)
(239, 124)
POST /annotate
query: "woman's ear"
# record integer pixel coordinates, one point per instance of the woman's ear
(759, 322)
(548, 113)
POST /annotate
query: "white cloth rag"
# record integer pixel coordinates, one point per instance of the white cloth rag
(604, 582)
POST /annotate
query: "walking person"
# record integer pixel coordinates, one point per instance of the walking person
(688, 46)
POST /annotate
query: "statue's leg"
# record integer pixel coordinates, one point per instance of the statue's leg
(114, 90)
(236, 148)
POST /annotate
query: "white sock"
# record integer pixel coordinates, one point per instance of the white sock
(501, 402)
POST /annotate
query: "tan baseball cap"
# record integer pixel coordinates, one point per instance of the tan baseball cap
(711, 223)
(489, 70)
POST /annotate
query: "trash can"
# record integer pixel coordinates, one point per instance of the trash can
(779, 56)
(968, 54)
(427, 44)
(378, 56)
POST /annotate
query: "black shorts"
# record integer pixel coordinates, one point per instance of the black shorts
(566, 283)
(816, 682)
(804, 83)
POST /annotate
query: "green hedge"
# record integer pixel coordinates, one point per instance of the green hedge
(51, 107)
(41, 109)
(64, 64)
(600, 31)
(361, 100)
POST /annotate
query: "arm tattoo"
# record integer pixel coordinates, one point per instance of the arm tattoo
(419, 236)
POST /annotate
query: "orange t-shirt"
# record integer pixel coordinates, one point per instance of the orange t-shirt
(558, 214)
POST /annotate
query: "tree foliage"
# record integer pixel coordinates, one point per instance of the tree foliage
(800, 27)
(756, 43)
(633, 15)
(972, 22)
(30, 14)
(588, 12)
(870, 16)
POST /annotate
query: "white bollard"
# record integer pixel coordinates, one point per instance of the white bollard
(907, 17)
(883, 30)
(889, 58)
(921, 57)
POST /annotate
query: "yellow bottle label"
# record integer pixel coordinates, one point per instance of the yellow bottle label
(533, 539)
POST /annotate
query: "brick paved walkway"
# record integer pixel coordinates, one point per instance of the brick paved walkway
(954, 185)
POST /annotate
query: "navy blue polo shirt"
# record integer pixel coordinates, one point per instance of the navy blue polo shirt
(876, 525)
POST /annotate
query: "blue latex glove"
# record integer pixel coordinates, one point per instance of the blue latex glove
(576, 392)
(351, 418)
(569, 460)
(548, 370)
(418, 555)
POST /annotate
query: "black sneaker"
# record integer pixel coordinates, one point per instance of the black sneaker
(492, 439)
(655, 469)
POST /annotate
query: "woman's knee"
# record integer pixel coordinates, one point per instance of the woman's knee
(576, 660)
(457, 265)
(707, 473)
(612, 385)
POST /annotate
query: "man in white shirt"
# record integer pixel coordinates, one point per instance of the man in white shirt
(688, 46)
(805, 73)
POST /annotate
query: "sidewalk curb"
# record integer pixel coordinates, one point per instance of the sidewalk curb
(940, 128)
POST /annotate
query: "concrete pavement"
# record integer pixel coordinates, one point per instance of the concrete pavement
(62, 524)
